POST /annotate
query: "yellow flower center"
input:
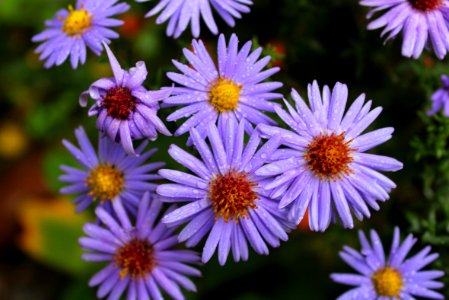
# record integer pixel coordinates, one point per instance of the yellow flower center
(224, 94)
(387, 282)
(328, 156)
(105, 182)
(76, 22)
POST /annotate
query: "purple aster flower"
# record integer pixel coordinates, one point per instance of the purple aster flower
(440, 99)
(125, 110)
(393, 277)
(226, 199)
(233, 90)
(71, 30)
(423, 22)
(109, 176)
(323, 166)
(141, 257)
(182, 12)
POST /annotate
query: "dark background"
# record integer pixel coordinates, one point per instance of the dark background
(309, 39)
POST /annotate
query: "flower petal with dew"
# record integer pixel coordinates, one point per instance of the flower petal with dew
(422, 22)
(125, 110)
(108, 175)
(225, 199)
(73, 29)
(143, 257)
(392, 277)
(234, 88)
(179, 13)
(323, 167)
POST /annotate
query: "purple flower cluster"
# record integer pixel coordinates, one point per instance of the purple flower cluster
(247, 181)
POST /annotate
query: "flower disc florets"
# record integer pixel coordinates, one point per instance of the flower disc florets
(119, 103)
(76, 22)
(425, 5)
(387, 282)
(232, 195)
(328, 156)
(105, 182)
(135, 259)
(224, 95)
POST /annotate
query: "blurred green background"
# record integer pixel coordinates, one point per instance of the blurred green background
(309, 39)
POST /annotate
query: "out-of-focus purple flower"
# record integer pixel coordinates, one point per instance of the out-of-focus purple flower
(323, 166)
(109, 176)
(423, 22)
(125, 110)
(141, 259)
(392, 277)
(179, 13)
(233, 90)
(226, 198)
(70, 31)
(440, 99)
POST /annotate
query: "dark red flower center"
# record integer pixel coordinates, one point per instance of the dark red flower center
(119, 103)
(232, 195)
(135, 259)
(425, 5)
(328, 156)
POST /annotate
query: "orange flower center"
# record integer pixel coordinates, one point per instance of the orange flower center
(135, 259)
(105, 182)
(224, 94)
(387, 282)
(76, 22)
(328, 156)
(119, 103)
(425, 5)
(232, 195)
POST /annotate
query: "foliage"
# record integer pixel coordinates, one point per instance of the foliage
(323, 40)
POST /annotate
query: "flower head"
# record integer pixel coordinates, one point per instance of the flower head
(125, 110)
(423, 22)
(233, 90)
(323, 167)
(109, 176)
(140, 257)
(393, 277)
(440, 99)
(72, 29)
(180, 13)
(226, 198)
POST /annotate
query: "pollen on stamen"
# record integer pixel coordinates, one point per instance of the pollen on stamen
(76, 22)
(232, 195)
(136, 259)
(328, 156)
(105, 182)
(224, 94)
(119, 103)
(387, 282)
(425, 5)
